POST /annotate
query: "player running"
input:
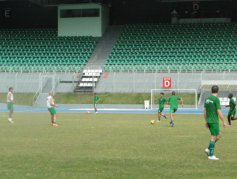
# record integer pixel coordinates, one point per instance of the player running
(10, 103)
(161, 101)
(51, 108)
(95, 102)
(173, 101)
(212, 113)
(232, 110)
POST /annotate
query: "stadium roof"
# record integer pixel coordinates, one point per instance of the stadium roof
(187, 0)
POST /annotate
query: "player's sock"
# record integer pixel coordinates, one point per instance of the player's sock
(211, 147)
(172, 123)
(229, 120)
(165, 117)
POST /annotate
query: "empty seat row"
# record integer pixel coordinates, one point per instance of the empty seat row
(89, 79)
(42, 49)
(175, 47)
(86, 84)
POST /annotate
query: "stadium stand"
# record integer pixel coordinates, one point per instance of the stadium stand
(42, 50)
(177, 47)
(89, 80)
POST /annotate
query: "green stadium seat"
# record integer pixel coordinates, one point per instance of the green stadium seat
(185, 47)
(43, 50)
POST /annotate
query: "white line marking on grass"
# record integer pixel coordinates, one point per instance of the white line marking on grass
(110, 109)
(183, 136)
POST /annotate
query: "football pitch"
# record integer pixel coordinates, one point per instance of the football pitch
(112, 146)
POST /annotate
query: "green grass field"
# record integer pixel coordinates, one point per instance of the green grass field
(112, 146)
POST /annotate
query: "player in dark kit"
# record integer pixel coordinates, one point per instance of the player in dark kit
(232, 110)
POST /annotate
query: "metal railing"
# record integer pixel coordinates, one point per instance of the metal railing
(36, 96)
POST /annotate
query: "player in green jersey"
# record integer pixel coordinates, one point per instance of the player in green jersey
(174, 104)
(161, 101)
(232, 110)
(212, 113)
(95, 102)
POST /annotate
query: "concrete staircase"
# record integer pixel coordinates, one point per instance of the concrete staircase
(89, 78)
(41, 96)
(104, 48)
(41, 100)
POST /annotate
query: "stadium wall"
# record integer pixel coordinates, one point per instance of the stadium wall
(121, 82)
(35, 82)
(111, 82)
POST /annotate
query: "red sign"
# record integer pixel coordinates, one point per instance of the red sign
(105, 75)
(167, 82)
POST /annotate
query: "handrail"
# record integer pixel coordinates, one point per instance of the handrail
(35, 97)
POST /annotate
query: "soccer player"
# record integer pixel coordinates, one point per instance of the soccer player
(232, 110)
(10, 102)
(51, 108)
(161, 101)
(212, 113)
(95, 101)
(174, 104)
